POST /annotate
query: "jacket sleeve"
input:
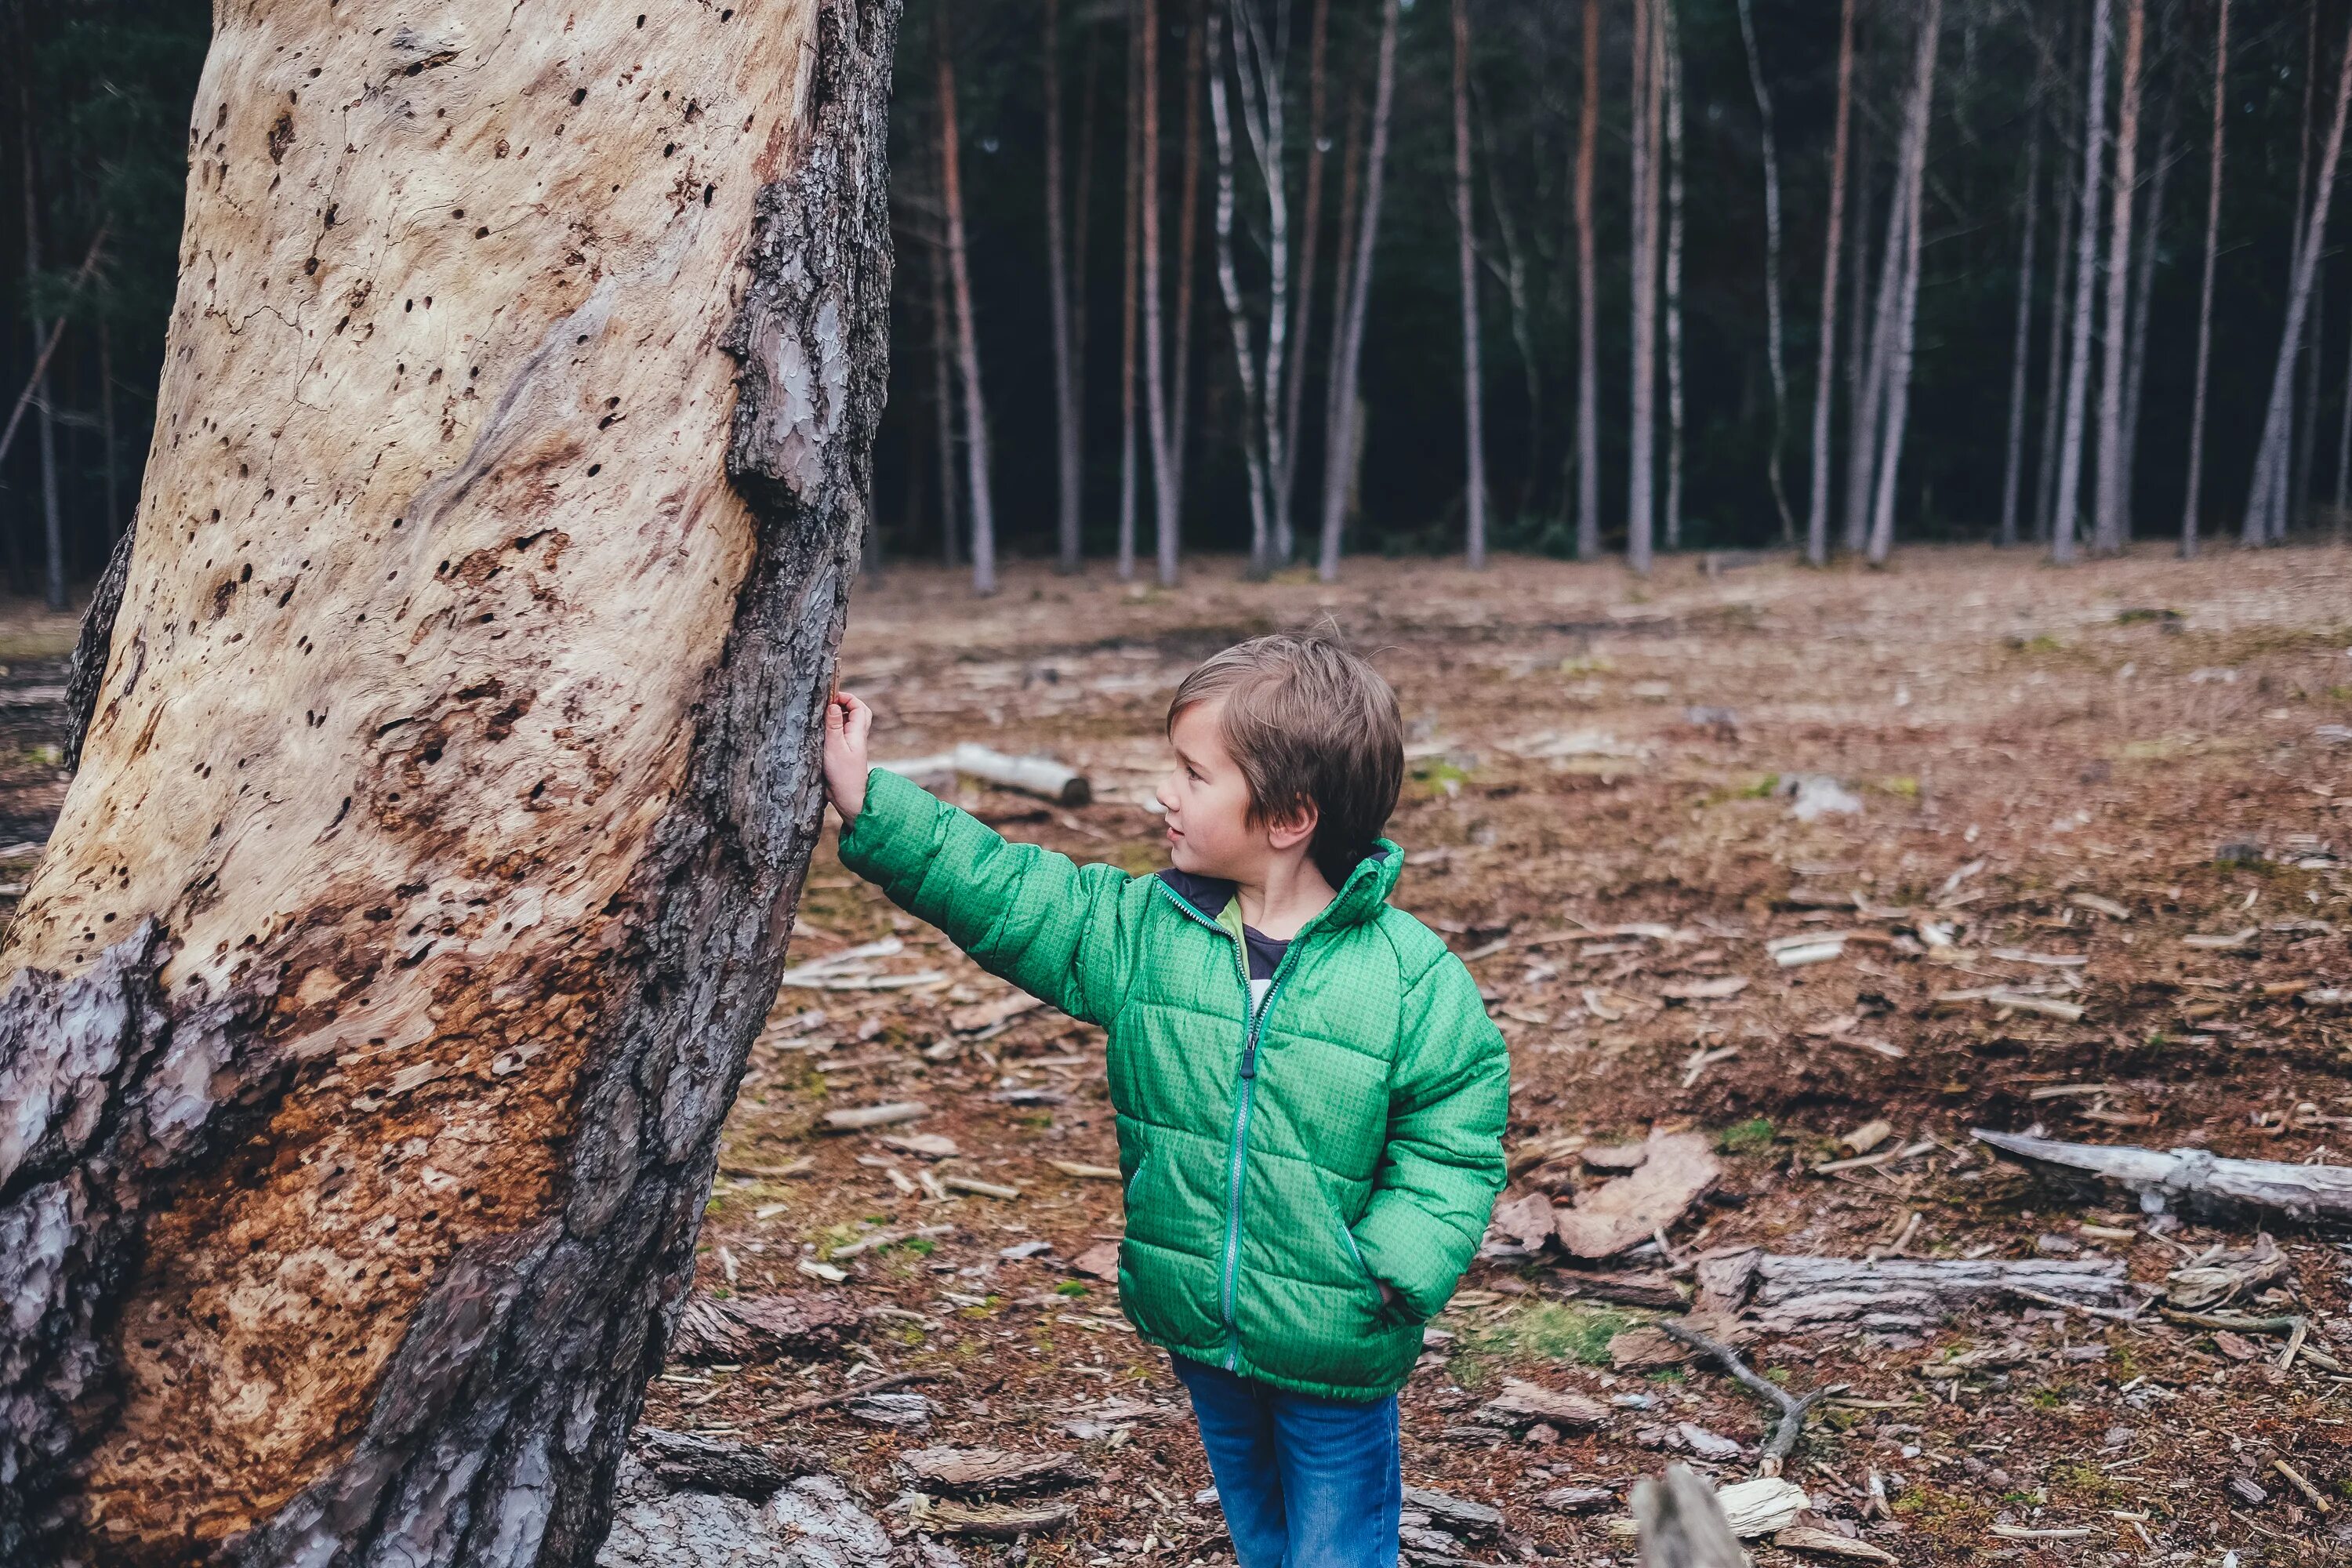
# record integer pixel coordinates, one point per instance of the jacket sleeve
(1034, 918)
(1444, 1165)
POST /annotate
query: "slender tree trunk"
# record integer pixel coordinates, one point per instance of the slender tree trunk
(1081, 213)
(1775, 349)
(1641, 504)
(2053, 377)
(1474, 409)
(1066, 429)
(1869, 407)
(2064, 514)
(975, 407)
(1858, 345)
(1588, 318)
(354, 1172)
(1671, 57)
(1342, 284)
(2195, 483)
(943, 399)
(1188, 269)
(53, 578)
(2297, 512)
(1158, 416)
(1913, 182)
(2109, 529)
(2151, 239)
(1257, 71)
(2021, 342)
(2297, 453)
(1817, 508)
(1340, 445)
(1513, 275)
(2344, 453)
(2271, 460)
(113, 448)
(1130, 247)
(1302, 317)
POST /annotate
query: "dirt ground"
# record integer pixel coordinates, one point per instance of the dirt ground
(2084, 765)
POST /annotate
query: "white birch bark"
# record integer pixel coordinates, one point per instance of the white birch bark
(1671, 57)
(1341, 432)
(1588, 320)
(2109, 529)
(967, 340)
(2022, 340)
(2065, 509)
(1817, 506)
(1898, 375)
(2195, 483)
(1775, 348)
(1257, 74)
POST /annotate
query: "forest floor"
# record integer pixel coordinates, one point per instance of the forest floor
(2086, 765)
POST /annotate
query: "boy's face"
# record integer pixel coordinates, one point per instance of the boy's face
(1208, 802)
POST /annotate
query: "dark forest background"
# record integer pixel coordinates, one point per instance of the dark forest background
(91, 191)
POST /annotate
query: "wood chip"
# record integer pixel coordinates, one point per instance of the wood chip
(1830, 1544)
(989, 1472)
(930, 1145)
(858, 1119)
(2231, 942)
(1522, 1403)
(988, 1014)
(1868, 1136)
(1716, 989)
(974, 1185)
(994, 1520)
(1085, 1173)
(1623, 1213)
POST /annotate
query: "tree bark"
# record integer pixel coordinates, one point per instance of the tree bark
(1587, 318)
(1255, 68)
(2109, 530)
(1341, 432)
(1858, 345)
(2021, 342)
(441, 821)
(1775, 347)
(1302, 317)
(1641, 499)
(2063, 193)
(1670, 53)
(1067, 433)
(2267, 506)
(1473, 408)
(53, 538)
(1158, 417)
(1870, 404)
(2151, 238)
(1898, 372)
(1188, 251)
(1817, 510)
(2205, 290)
(966, 342)
(2063, 516)
(1130, 247)
(943, 400)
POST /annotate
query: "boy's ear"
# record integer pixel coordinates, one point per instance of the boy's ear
(1288, 831)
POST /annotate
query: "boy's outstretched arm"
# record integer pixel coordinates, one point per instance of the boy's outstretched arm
(1035, 918)
(1438, 1181)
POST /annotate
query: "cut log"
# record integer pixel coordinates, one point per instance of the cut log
(749, 1330)
(999, 1520)
(1784, 1292)
(461, 711)
(991, 1472)
(1040, 776)
(2194, 1182)
(1624, 1213)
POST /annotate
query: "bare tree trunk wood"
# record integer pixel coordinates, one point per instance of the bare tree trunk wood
(2065, 509)
(1257, 72)
(1342, 433)
(1775, 349)
(1641, 499)
(1302, 317)
(1817, 509)
(1899, 366)
(2108, 528)
(2265, 511)
(2196, 1182)
(1858, 345)
(2151, 240)
(1131, 244)
(967, 330)
(1069, 436)
(53, 538)
(1866, 438)
(447, 801)
(1588, 317)
(943, 402)
(2195, 482)
(1474, 407)
(2054, 376)
(2021, 348)
(1787, 1292)
(1188, 270)
(1158, 416)
(1671, 61)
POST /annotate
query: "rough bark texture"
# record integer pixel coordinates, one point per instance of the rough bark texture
(447, 795)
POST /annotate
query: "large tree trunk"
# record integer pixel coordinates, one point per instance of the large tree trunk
(1868, 417)
(1912, 182)
(2064, 510)
(1473, 407)
(1588, 316)
(1341, 432)
(1817, 510)
(2205, 290)
(2266, 505)
(2109, 528)
(1670, 54)
(447, 800)
(1641, 499)
(967, 328)
(1067, 431)
(1773, 334)
(2021, 342)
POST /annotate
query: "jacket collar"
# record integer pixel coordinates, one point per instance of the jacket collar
(1361, 896)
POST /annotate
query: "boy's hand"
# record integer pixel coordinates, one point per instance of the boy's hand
(847, 722)
(1388, 1297)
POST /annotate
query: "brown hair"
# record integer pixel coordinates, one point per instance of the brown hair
(1308, 722)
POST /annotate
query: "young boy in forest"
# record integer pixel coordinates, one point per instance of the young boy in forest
(1310, 1096)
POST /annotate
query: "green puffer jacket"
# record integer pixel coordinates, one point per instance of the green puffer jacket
(1276, 1166)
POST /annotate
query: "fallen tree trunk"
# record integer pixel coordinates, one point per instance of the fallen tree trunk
(1785, 1291)
(447, 793)
(2192, 1181)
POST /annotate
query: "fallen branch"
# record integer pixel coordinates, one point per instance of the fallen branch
(2297, 1328)
(1788, 1291)
(820, 1401)
(1041, 776)
(2206, 1184)
(1793, 1407)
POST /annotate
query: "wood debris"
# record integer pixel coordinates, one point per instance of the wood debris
(1044, 777)
(1623, 1213)
(994, 1472)
(860, 1119)
(2192, 1180)
(749, 1330)
(1521, 1404)
(1781, 1290)
(1000, 1521)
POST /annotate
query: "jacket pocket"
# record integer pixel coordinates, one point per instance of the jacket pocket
(1372, 1281)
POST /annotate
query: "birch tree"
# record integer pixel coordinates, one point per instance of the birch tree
(2063, 516)
(1817, 509)
(2109, 527)
(2195, 482)
(2013, 464)
(1588, 318)
(1069, 429)
(1130, 255)
(1775, 351)
(1302, 317)
(1671, 60)
(447, 791)
(2150, 231)
(2266, 504)
(1340, 432)
(1913, 181)
(967, 328)
(943, 325)
(1159, 418)
(2054, 374)
(1641, 499)
(1472, 396)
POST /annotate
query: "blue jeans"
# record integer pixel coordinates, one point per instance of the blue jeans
(1304, 1482)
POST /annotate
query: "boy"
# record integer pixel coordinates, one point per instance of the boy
(1310, 1098)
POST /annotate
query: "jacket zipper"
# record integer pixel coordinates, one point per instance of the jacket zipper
(1256, 1017)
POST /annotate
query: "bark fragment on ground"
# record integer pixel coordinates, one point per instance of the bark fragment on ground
(2192, 1180)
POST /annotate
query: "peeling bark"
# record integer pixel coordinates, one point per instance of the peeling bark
(447, 793)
